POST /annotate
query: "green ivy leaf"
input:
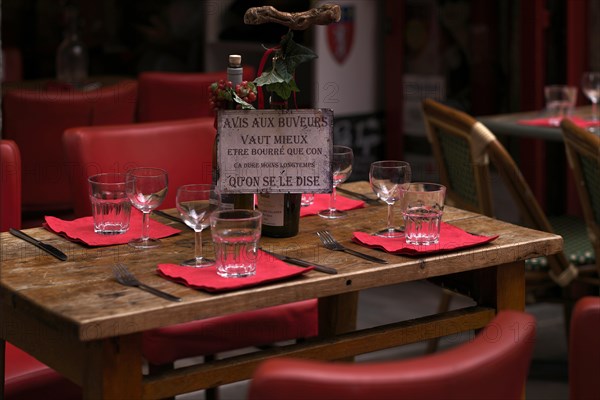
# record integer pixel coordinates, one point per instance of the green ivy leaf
(268, 78)
(280, 79)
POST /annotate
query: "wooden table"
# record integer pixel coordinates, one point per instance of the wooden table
(508, 124)
(544, 161)
(74, 317)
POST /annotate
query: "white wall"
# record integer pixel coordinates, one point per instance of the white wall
(349, 88)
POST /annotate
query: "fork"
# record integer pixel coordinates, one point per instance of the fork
(330, 243)
(125, 277)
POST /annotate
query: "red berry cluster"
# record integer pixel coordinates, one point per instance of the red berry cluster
(221, 94)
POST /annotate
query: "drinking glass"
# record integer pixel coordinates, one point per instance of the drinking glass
(560, 101)
(422, 209)
(146, 189)
(387, 179)
(341, 168)
(195, 206)
(235, 235)
(590, 85)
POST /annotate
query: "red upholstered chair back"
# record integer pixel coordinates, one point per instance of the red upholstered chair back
(494, 365)
(36, 120)
(183, 148)
(26, 378)
(171, 95)
(584, 349)
(10, 185)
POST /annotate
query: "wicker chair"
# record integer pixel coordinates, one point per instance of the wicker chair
(583, 153)
(466, 151)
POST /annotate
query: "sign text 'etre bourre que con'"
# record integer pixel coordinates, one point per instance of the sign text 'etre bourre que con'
(275, 151)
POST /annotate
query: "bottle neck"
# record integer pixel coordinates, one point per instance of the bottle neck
(277, 103)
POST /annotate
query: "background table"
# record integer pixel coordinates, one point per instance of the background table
(77, 319)
(541, 157)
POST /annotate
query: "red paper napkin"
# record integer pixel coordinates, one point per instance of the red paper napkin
(268, 269)
(554, 122)
(451, 238)
(322, 203)
(82, 230)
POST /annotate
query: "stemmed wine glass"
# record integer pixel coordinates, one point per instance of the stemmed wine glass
(195, 206)
(146, 189)
(590, 85)
(387, 179)
(341, 168)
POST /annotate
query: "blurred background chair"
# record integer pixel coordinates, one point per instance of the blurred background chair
(583, 153)
(584, 349)
(172, 95)
(466, 153)
(36, 120)
(494, 365)
(184, 149)
(25, 377)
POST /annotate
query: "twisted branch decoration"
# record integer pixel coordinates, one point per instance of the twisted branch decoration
(324, 15)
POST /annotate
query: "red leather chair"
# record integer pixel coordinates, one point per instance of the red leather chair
(24, 377)
(184, 149)
(584, 349)
(36, 120)
(172, 95)
(10, 193)
(494, 365)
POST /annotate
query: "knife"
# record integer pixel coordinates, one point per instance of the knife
(302, 263)
(46, 247)
(360, 196)
(168, 216)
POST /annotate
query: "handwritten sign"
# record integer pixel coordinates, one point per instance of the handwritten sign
(275, 151)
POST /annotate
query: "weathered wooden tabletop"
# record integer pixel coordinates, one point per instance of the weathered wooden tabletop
(77, 304)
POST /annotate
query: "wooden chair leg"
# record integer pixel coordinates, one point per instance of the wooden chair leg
(444, 306)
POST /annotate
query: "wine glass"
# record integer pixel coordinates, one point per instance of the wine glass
(146, 189)
(195, 206)
(341, 168)
(590, 85)
(387, 179)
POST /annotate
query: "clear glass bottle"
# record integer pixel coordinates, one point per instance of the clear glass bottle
(235, 71)
(72, 53)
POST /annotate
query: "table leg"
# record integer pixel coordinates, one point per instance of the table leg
(114, 369)
(337, 314)
(502, 287)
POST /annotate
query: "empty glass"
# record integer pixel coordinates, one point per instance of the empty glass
(422, 209)
(341, 168)
(560, 101)
(590, 85)
(146, 189)
(195, 203)
(235, 235)
(387, 179)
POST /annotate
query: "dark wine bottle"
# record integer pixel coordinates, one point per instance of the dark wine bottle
(239, 200)
(281, 211)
